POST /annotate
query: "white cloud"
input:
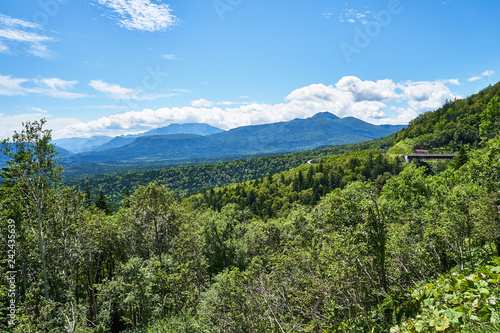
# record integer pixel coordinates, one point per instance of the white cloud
(181, 90)
(10, 86)
(59, 126)
(53, 87)
(370, 109)
(319, 93)
(427, 91)
(11, 123)
(381, 102)
(142, 15)
(3, 48)
(426, 96)
(169, 56)
(12, 22)
(21, 36)
(483, 74)
(404, 116)
(56, 88)
(39, 50)
(488, 73)
(63, 94)
(455, 82)
(352, 15)
(381, 90)
(115, 91)
(56, 84)
(39, 110)
(201, 103)
(225, 103)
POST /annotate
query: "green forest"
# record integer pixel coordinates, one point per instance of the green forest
(356, 240)
(188, 180)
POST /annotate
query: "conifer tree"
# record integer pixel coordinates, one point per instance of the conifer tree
(87, 195)
(102, 203)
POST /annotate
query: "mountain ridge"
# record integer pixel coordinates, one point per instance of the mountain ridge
(172, 129)
(298, 134)
(77, 145)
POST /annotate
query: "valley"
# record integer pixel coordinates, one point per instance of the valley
(185, 146)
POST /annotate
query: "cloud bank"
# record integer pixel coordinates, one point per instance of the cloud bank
(379, 102)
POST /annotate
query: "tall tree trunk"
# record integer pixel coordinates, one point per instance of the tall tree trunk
(158, 250)
(383, 273)
(42, 250)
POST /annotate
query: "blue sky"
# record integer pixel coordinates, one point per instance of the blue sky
(111, 67)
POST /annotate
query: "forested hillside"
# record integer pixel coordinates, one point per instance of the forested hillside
(459, 123)
(276, 194)
(187, 180)
(359, 242)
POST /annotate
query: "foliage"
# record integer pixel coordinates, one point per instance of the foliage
(457, 123)
(31, 177)
(101, 203)
(187, 180)
(402, 147)
(274, 195)
(457, 300)
(490, 119)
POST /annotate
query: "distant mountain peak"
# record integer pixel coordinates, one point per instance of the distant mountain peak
(187, 128)
(322, 129)
(325, 115)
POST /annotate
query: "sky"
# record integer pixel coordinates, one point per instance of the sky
(113, 67)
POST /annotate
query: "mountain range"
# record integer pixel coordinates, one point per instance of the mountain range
(63, 153)
(201, 141)
(99, 143)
